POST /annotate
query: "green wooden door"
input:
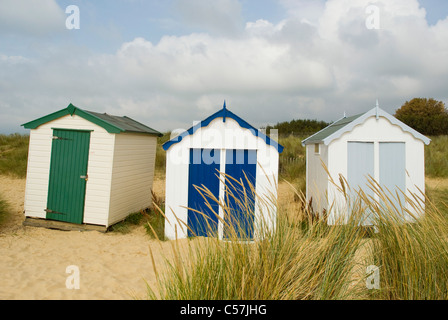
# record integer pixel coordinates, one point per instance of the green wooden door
(68, 175)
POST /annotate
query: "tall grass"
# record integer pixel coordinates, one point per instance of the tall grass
(412, 255)
(292, 162)
(289, 263)
(161, 154)
(436, 157)
(3, 211)
(319, 261)
(13, 154)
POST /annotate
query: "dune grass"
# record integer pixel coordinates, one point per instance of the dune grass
(315, 262)
(13, 154)
(161, 155)
(436, 157)
(311, 260)
(292, 162)
(3, 211)
(412, 256)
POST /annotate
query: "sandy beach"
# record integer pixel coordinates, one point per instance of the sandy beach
(34, 260)
(111, 265)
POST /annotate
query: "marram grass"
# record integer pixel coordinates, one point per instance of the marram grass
(319, 261)
(289, 263)
(412, 255)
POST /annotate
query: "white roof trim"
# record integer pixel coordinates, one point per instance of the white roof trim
(374, 112)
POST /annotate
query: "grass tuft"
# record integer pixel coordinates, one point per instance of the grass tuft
(4, 211)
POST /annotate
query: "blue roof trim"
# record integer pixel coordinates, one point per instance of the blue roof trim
(224, 113)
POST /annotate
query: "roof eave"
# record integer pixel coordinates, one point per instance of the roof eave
(223, 113)
(309, 139)
(380, 113)
(71, 110)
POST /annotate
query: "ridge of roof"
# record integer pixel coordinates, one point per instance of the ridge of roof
(330, 129)
(112, 124)
(223, 113)
(339, 127)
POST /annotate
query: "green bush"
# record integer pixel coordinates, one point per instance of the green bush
(427, 116)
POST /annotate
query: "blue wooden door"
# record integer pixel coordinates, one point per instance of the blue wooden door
(240, 170)
(393, 170)
(203, 173)
(360, 165)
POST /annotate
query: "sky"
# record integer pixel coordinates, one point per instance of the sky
(169, 63)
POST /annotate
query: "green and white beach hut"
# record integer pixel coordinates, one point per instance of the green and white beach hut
(88, 168)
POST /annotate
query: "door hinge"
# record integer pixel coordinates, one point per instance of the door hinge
(51, 211)
(59, 138)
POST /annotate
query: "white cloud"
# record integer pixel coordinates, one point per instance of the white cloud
(270, 72)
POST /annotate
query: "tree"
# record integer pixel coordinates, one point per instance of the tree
(427, 116)
(298, 127)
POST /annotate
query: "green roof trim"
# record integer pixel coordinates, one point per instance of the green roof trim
(112, 124)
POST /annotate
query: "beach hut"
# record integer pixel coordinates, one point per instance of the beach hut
(88, 168)
(221, 159)
(372, 145)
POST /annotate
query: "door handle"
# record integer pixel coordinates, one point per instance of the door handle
(86, 177)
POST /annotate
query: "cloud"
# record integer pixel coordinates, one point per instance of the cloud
(308, 11)
(221, 17)
(268, 72)
(31, 17)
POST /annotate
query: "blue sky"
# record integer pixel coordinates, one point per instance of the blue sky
(168, 63)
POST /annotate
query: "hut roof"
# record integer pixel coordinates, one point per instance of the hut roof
(111, 123)
(346, 124)
(224, 113)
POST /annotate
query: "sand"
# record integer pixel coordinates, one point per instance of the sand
(34, 261)
(112, 266)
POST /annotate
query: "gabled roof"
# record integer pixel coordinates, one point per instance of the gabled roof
(223, 113)
(112, 124)
(346, 124)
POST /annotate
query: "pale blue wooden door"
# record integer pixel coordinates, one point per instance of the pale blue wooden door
(393, 170)
(360, 165)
